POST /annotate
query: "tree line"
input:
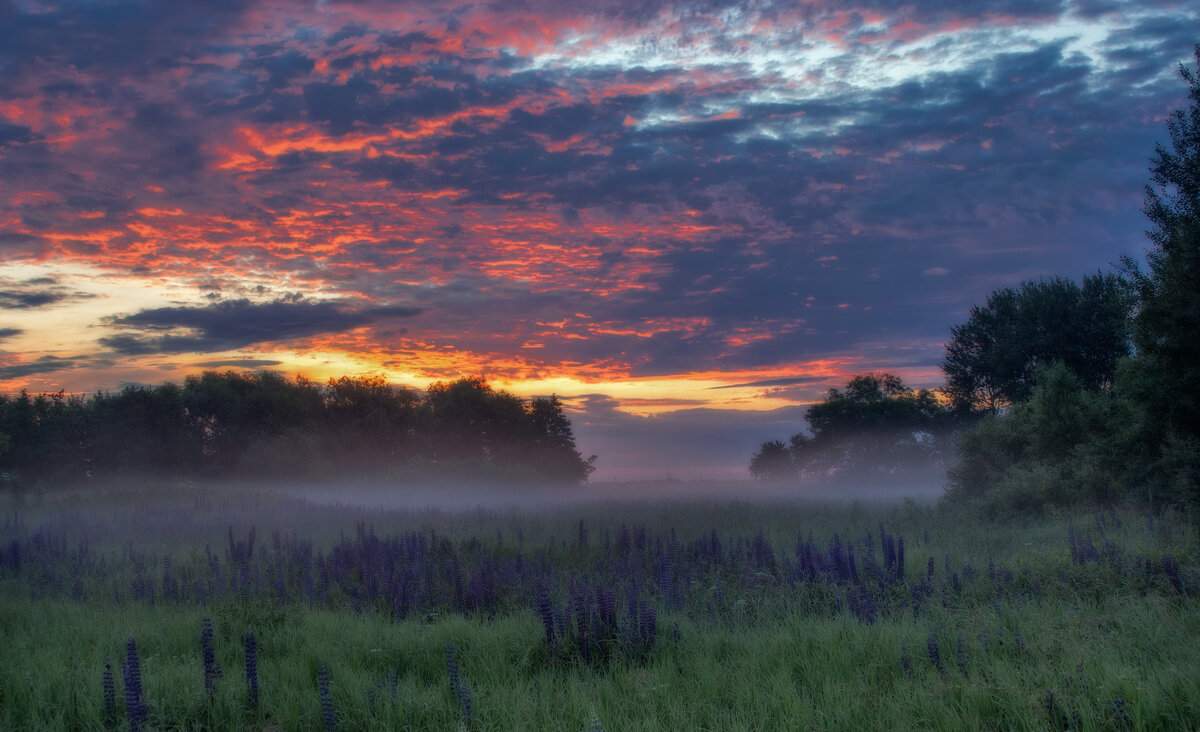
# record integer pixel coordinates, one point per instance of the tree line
(1056, 392)
(265, 424)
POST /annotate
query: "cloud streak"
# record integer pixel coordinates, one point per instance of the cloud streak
(236, 324)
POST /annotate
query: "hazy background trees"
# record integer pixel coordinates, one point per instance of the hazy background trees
(265, 424)
(875, 426)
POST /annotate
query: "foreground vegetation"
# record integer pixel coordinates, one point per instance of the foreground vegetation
(787, 615)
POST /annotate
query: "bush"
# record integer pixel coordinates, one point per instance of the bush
(1059, 448)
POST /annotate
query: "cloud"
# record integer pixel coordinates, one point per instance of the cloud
(238, 323)
(683, 186)
(14, 300)
(10, 332)
(776, 382)
(241, 363)
(41, 365)
(35, 293)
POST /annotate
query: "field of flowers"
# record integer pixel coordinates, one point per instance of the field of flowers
(196, 608)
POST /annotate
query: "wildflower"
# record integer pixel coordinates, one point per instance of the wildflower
(251, 669)
(931, 645)
(209, 654)
(133, 686)
(110, 697)
(328, 715)
(458, 686)
(547, 614)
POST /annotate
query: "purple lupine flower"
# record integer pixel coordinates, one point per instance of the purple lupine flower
(905, 661)
(1171, 569)
(133, 686)
(251, 648)
(581, 622)
(649, 627)
(209, 654)
(464, 701)
(110, 696)
(458, 686)
(935, 655)
(452, 668)
(1120, 716)
(545, 610)
(607, 602)
(328, 715)
(1059, 718)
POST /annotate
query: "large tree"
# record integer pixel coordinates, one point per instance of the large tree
(1164, 378)
(991, 358)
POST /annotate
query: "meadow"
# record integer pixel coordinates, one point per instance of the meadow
(198, 607)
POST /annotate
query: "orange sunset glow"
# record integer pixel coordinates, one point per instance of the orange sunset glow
(675, 218)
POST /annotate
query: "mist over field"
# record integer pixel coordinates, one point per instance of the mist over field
(461, 495)
(660, 365)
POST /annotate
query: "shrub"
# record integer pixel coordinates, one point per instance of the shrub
(1061, 447)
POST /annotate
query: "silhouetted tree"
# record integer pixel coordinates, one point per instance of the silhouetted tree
(368, 420)
(772, 461)
(877, 424)
(552, 445)
(265, 424)
(990, 359)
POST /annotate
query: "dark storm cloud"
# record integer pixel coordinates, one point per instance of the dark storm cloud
(111, 33)
(238, 323)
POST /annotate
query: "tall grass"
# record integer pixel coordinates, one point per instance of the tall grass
(786, 616)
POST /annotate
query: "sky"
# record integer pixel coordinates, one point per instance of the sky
(688, 220)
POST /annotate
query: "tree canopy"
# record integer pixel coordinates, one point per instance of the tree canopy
(1165, 375)
(265, 424)
(991, 358)
(1064, 441)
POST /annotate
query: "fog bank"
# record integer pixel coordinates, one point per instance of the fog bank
(466, 495)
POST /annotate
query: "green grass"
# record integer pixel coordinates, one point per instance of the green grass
(1082, 645)
(824, 673)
